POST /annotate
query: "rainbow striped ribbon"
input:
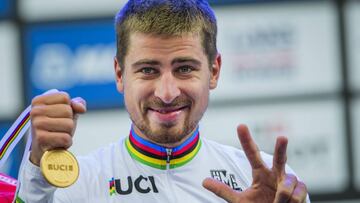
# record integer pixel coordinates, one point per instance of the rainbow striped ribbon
(14, 135)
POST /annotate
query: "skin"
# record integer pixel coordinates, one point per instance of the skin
(166, 83)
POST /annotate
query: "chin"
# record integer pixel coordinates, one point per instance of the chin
(168, 129)
(168, 133)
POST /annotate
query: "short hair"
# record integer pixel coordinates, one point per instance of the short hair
(166, 18)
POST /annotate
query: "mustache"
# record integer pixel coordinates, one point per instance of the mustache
(157, 103)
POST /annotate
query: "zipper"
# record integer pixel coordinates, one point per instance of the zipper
(168, 174)
(168, 156)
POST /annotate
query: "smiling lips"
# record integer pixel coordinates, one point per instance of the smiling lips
(166, 114)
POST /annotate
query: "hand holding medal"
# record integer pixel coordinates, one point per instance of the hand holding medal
(53, 122)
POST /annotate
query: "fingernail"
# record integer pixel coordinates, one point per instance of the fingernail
(51, 91)
(79, 100)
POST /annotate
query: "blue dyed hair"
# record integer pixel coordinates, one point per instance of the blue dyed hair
(166, 18)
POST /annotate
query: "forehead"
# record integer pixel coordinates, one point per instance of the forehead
(151, 44)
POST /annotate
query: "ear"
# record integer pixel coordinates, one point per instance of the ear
(215, 72)
(118, 76)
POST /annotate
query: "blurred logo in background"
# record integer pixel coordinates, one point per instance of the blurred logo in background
(313, 146)
(76, 58)
(57, 66)
(264, 52)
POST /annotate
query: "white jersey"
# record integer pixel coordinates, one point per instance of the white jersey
(135, 170)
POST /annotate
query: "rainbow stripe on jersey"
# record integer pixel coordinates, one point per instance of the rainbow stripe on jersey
(160, 157)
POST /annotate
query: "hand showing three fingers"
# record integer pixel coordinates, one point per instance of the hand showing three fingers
(270, 185)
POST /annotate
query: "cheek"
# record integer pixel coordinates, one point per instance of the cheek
(204, 100)
(134, 96)
(130, 98)
(200, 97)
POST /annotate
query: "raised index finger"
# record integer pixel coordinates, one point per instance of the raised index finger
(250, 148)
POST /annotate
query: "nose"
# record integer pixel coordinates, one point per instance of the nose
(167, 88)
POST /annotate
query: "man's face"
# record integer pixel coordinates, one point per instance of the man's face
(166, 83)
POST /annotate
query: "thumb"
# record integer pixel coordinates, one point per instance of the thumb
(78, 105)
(220, 189)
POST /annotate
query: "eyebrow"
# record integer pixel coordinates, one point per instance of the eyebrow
(186, 59)
(146, 62)
(176, 60)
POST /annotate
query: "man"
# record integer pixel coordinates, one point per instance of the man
(166, 64)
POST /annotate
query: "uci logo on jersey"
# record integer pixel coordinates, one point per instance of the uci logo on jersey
(142, 184)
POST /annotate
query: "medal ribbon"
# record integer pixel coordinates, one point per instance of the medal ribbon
(12, 138)
(14, 135)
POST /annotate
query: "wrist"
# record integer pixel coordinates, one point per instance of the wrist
(33, 159)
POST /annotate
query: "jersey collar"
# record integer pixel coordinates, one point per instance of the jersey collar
(160, 157)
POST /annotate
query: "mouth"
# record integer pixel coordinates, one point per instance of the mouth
(167, 114)
(168, 110)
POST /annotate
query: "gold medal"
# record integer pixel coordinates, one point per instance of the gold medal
(59, 167)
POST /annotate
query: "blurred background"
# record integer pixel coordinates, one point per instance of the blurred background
(289, 68)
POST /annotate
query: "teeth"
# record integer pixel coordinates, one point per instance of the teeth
(165, 111)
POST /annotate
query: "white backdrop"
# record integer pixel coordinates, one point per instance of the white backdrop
(10, 83)
(356, 138)
(353, 39)
(34, 10)
(278, 49)
(99, 128)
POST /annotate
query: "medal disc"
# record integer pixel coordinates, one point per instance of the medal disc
(59, 167)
